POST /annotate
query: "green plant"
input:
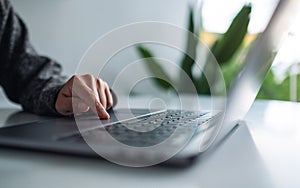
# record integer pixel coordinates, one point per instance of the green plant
(223, 50)
(278, 90)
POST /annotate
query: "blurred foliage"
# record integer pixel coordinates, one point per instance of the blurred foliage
(270, 89)
(277, 91)
(227, 50)
(223, 50)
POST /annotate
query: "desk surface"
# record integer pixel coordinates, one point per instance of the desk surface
(264, 154)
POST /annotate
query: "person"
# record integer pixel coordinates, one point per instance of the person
(36, 81)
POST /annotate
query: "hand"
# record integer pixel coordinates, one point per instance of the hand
(82, 93)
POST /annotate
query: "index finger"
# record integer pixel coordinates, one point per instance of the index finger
(87, 95)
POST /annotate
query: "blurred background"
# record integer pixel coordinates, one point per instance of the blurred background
(64, 29)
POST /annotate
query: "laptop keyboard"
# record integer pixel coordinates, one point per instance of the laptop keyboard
(147, 130)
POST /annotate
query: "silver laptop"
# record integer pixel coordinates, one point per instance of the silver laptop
(167, 136)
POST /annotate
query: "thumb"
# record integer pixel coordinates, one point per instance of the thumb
(70, 105)
(79, 106)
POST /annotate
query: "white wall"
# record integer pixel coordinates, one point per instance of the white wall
(64, 29)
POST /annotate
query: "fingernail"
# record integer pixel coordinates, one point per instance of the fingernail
(105, 114)
(102, 113)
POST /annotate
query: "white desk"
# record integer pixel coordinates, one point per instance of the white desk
(265, 155)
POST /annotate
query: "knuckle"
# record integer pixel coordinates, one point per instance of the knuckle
(88, 76)
(75, 78)
(99, 81)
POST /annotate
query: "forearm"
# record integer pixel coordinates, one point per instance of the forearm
(27, 78)
(40, 93)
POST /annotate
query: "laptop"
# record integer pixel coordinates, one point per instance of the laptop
(161, 137)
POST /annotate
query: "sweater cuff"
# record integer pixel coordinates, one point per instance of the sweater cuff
(50, 96)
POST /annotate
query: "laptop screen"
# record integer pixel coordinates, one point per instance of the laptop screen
(247, 83)
(259, 60)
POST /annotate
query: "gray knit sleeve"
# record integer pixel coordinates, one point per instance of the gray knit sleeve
(26, 77)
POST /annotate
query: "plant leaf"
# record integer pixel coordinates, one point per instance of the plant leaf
(161, 77)
(191, 46)
(227, 45)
